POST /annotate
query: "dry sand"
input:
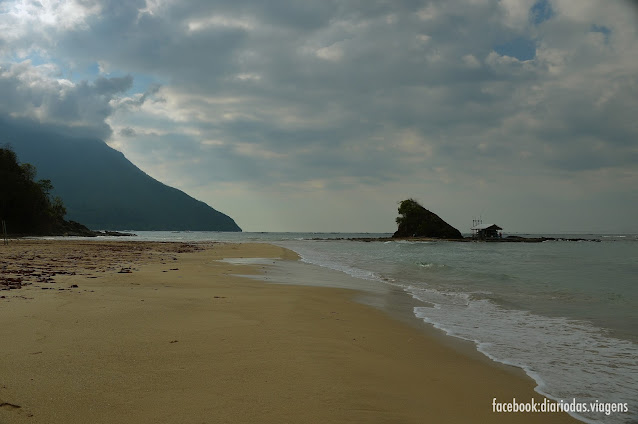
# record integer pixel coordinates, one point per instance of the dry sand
(180, 339)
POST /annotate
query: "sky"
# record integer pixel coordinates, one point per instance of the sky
(321, 115)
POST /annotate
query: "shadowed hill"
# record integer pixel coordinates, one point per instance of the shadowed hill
(27, 207)
(104, 190)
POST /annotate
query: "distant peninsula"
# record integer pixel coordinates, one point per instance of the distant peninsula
(105, 191)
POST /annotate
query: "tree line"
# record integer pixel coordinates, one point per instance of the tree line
(26, 204)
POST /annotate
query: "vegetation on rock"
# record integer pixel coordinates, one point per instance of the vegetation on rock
(416, 221)
(26, 205)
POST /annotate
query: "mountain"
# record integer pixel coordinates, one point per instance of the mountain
(102, 189)
(416, 221)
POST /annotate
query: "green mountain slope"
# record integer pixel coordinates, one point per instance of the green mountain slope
(104, 190)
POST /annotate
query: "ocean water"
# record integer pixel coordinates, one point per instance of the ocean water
(565, 312)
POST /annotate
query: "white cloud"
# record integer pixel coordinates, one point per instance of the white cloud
(37, 92)
(54, 13)
(516, 12)
(332, 53)
(221, 21)
(155, 7)
(471, 61)
(428, 13)
(31, 26)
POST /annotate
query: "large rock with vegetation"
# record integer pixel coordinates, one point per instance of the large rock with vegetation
(416, 221)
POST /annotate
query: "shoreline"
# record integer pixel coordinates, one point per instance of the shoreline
(167, 332)
(394, 302)
(508, 239)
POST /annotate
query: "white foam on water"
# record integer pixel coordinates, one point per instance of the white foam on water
(431, 265)
(567, 358)
(326, 260)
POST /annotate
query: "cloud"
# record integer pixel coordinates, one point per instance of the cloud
(338, 97)
(38, 93)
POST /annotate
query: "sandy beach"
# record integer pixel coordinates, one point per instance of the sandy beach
(142, 332)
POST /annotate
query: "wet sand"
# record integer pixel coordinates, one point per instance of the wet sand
(168, 333)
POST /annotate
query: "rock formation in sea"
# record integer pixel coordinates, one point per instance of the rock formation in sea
(416, 221)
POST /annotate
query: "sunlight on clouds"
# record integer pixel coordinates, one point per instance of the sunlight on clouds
(434, 56)
(607, 93)
(423, 39)
(411, 142)
(510, 66)
(554, 60)
(428, 13)
(172, 108)
(495, 59)
(471, 61)
(333, 53)
(123, 136)
(256, 151)
(103, 67)
(47, 95)
(444, 175)
(219, 21)
(153, 7)
(305, 186)
(248, 77)
(60, 13)
(523, 121)
(212, 142)
(391, 19)
(582, 10)
(517, 12)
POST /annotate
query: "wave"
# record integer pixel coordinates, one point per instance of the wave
(430, 265)
(574, 356)
(567, 358)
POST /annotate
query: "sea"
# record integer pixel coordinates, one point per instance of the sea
(566, 312)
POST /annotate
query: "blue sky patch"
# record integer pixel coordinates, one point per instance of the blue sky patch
(520, 48)
(603, 30)
(540, 12)
(141, 82)
(35, 58)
